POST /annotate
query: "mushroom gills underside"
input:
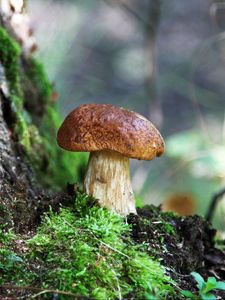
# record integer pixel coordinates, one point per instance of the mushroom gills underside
(108, 180)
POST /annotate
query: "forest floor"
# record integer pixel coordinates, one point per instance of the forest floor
(181, 244)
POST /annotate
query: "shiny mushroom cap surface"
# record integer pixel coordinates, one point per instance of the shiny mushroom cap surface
(105, 127)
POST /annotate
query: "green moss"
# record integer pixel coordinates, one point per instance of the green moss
(37, 89)
(9, 58)
(21, 130)
(9, 55)
(39, 79)
(85, 250)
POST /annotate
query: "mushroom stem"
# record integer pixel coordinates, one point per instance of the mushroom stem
(108, 179)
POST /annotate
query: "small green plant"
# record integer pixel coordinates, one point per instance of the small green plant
(204, 288)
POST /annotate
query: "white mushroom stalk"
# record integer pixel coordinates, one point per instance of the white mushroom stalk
(108, 179)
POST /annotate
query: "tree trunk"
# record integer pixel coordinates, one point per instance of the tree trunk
(25, 98)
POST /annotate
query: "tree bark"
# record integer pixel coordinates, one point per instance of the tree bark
(23, 104)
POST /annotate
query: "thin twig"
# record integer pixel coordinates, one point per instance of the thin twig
(41, 291)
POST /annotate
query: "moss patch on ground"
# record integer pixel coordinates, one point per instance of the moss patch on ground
(85, 250)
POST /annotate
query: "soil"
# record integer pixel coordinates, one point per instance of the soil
(182, 244)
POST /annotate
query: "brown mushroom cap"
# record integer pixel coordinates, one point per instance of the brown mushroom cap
(97, 127)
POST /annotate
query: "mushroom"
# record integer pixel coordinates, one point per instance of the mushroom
(112, 135)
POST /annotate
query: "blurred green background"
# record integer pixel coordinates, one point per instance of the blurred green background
(163, 59)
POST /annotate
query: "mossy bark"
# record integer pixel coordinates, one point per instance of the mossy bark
(25, 154)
